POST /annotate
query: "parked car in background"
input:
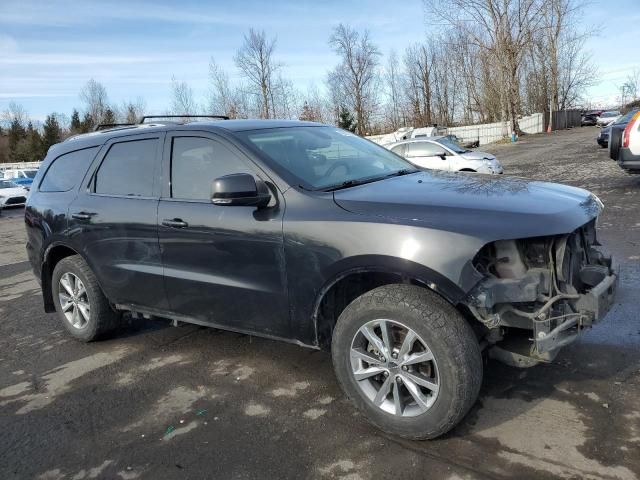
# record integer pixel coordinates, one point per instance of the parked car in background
(589, 119)
(12, 194)
(614, 133)
(607, 118)
(21, 176)
(603, 136)
(406, 133)
(628, 153)
(440, 153)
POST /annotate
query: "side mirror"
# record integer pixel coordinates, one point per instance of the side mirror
(442, 154)
(240, 189)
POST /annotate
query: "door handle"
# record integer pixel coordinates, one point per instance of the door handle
(174, 223)
(82, 215)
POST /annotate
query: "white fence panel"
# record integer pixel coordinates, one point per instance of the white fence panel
(17, 165)
(492, 132)
(484, 133)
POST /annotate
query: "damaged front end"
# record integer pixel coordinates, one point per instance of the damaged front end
(539, 293)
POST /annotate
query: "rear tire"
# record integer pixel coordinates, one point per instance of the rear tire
(448, 385)
(81, 306)
(615, 141)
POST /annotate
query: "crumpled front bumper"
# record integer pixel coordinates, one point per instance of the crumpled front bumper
(592, 307)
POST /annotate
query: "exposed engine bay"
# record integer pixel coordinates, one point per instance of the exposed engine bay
(540, 293)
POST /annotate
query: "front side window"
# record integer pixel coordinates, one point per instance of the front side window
(196, 162)
(66, 171)
(451, 145)
(323, 158)
(128, 169)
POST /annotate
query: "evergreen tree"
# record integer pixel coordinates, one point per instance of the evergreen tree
(76, 125)
(87, 123)
(345, 120)
(17, 135)
(34, 143)
(52, 132)
(307, 113)
(109, 116)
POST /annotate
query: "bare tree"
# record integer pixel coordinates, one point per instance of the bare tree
(394, 82)
(131, 111)
(15, 114)
(182, 100)
(255, 62)
(357, 73)
(504, 29)
(94, 96)
(222, 96)
(631, 86)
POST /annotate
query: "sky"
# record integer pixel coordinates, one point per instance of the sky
(50, 49)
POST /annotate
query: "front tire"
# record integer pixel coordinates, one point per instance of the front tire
(81, 306)
(408, 360)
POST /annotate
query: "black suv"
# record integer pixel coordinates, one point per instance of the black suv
(310, 234)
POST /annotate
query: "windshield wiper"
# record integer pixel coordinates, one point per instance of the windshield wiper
(362, 181)
(404, 171)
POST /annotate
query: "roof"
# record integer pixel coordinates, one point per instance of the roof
(99, 137)
(231, 125)
(254, 124)
(430, 139)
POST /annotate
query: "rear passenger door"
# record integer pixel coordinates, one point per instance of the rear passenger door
(427, 155)
(113, 221)
(224, 265)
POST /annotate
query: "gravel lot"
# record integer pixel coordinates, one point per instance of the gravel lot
(160, 402)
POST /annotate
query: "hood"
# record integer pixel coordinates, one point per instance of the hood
(13, 192)
(483, 206)
(474, 155)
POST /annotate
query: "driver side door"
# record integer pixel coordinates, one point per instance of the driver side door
(428, 155)
(223, 265)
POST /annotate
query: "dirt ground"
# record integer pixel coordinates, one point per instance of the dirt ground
(158, 402)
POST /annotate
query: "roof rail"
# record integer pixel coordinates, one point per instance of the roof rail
(105, 126)
(221, 117)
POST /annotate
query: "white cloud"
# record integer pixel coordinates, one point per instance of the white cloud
(72, 59)
(74, 13)
(8, 45)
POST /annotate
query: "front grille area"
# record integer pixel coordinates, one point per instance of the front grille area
(16, 200)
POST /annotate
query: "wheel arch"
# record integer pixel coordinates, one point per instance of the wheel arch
(357, 276)
(52, 256)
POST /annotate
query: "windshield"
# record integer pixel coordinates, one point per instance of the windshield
(30, 173)
(7, 184)
(610, 114)
(625, 118)
(323, 158)
(451, 145)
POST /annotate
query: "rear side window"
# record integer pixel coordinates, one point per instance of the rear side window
(128, 169)
(399, 149)
(424, 149)
(66, 171)
(196, 162)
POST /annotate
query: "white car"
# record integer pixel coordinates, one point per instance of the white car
(607, 118)
(12, 194)
(440, 153)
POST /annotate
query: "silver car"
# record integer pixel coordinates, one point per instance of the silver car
(440, 153)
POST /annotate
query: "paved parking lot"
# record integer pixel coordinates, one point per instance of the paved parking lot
(160, 402)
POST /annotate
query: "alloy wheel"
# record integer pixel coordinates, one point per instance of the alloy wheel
(74, 301)
(394, 368)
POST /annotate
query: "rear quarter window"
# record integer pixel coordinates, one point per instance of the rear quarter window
(66, 171)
